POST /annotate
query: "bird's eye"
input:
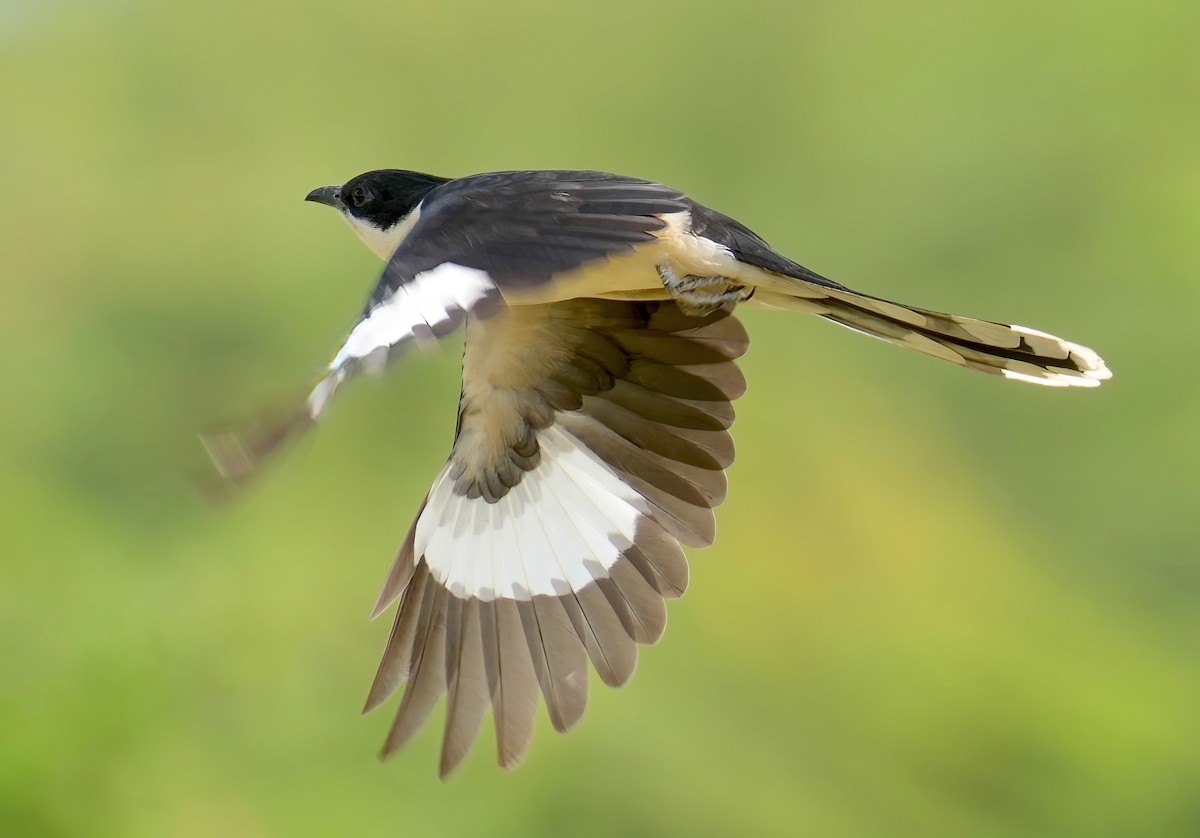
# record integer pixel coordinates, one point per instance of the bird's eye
(359, 196)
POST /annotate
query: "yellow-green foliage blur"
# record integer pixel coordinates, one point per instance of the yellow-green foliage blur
(940, 603)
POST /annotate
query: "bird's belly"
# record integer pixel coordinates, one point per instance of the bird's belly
(628, 276)
(635, 275)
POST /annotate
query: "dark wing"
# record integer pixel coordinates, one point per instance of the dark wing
(475, 239)
(479, 237)
(593, 438)
(523, 228)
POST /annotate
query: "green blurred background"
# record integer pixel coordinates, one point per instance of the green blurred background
(940, 603)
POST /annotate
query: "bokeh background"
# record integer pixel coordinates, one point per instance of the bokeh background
(940, 603)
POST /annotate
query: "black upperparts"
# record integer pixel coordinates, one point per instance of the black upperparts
(385, 196)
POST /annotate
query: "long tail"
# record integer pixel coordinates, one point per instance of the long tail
(1014, 352)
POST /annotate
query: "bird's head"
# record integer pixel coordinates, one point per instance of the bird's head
(379, 205)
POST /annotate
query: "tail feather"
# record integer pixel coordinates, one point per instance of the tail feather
(1015, 352)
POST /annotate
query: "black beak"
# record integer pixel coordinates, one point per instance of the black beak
(330, 196)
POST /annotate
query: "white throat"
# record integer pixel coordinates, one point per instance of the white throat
(383, 243)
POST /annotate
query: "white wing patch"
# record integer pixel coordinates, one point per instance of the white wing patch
(415, 310)
(558, 530)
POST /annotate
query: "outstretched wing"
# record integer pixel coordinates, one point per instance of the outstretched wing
(475, 242)
(593, 438)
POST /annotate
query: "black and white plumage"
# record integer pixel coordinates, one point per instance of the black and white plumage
(593, 434)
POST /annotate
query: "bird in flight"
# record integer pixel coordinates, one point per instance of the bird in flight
(593, 428)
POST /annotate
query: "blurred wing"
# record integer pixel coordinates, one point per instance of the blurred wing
(593, 438)
(475, 240)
